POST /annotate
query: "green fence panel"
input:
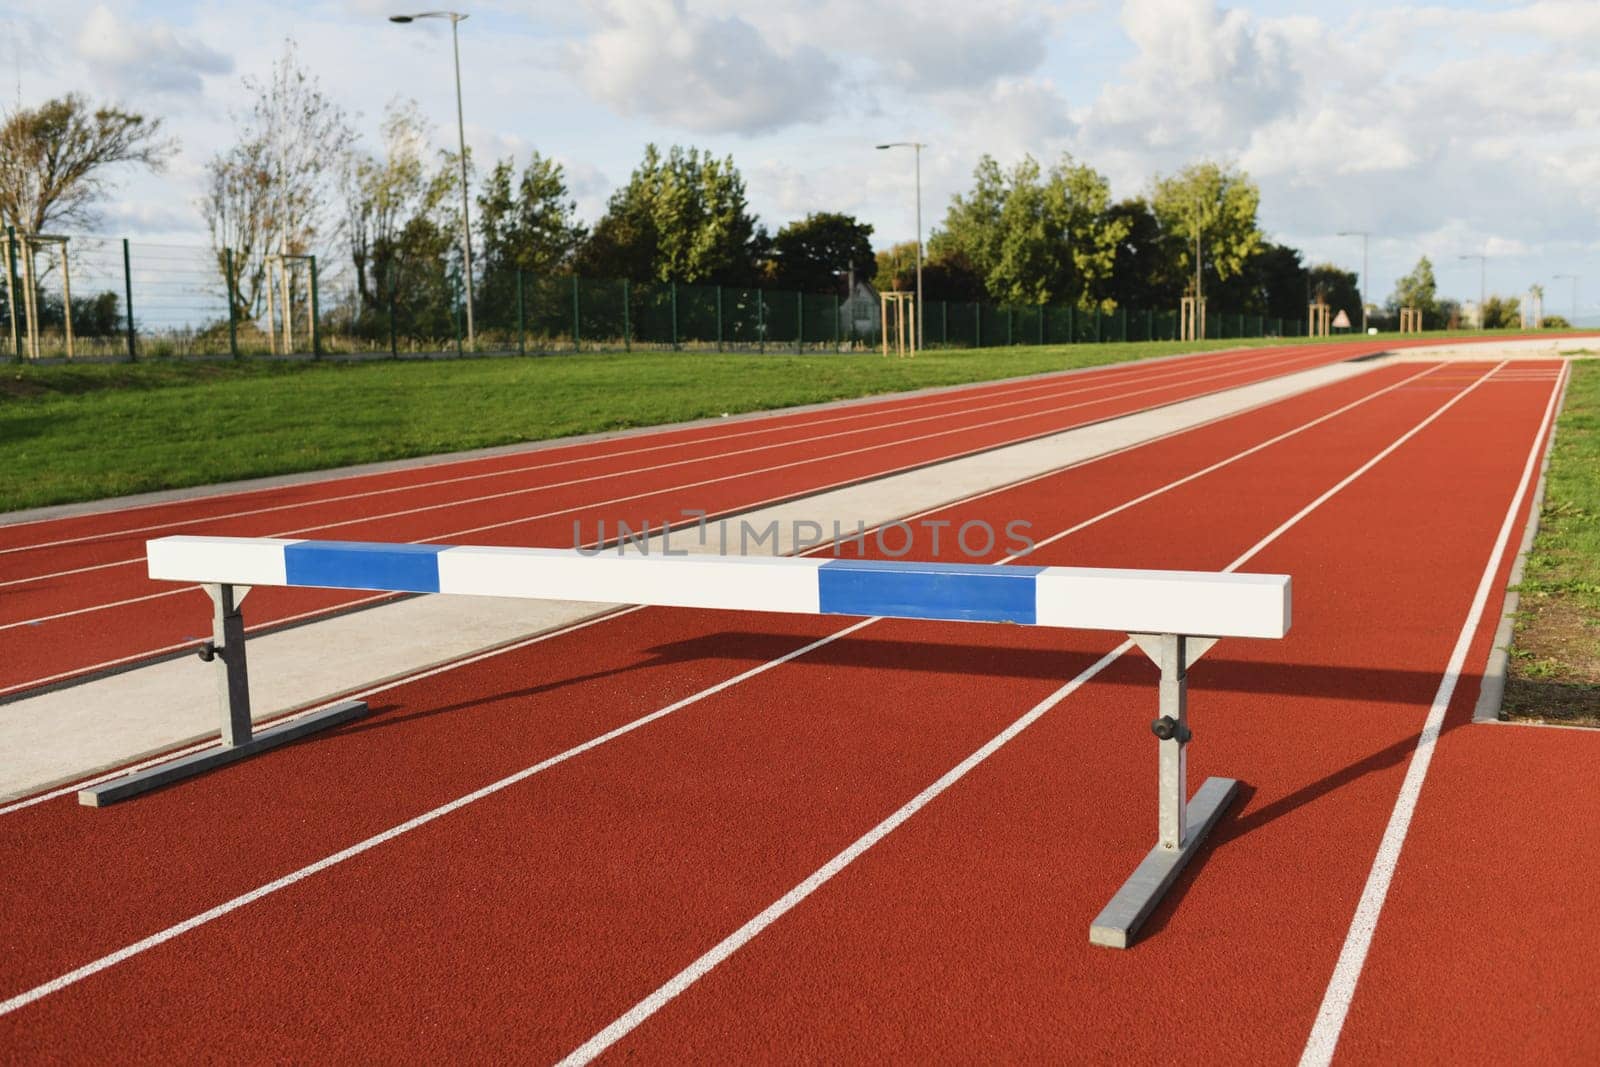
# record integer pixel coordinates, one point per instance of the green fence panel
(961, 324)
(697, 316)
(603, 314)
(819, 319)
(782, 319)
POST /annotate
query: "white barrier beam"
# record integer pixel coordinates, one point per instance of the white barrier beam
(1183, 602)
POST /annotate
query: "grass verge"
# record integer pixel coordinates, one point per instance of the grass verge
(90, 431)
(1554, 673)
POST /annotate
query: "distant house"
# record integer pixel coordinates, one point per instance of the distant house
(859, 314)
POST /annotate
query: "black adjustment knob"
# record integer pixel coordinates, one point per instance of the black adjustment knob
(207, 651)
(1167, 728)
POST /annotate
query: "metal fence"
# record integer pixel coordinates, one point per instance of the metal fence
(133, 300)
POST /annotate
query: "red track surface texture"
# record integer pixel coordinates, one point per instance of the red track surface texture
(448, 878)
(74, 595)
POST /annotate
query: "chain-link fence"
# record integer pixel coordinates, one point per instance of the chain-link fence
(93, 297)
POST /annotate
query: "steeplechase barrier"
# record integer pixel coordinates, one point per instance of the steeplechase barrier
(1174, 617)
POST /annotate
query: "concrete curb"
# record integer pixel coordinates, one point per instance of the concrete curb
(1493, 692)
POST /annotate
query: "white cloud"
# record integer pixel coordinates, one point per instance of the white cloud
(709, 74)
(132, 58)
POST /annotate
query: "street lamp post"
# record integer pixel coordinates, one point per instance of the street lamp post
(1574, 280)
(455, 18)
(916, 148)
(1483, 288)
(1363, 234)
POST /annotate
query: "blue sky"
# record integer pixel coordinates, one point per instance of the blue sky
(1442, 128)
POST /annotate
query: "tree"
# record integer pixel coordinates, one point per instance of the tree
(1036, 237)
(275, 190)
(1146, 269)
(55, 158)
(895, 267)
(949, 275)
(681, 218)
(400, 222)
(532, 227)
(1416, 290)
(810, 254)
(1339, 289)
(1217, 202)
(528, 225)
(1501, 313)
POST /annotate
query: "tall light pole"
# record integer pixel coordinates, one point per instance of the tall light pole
(1574, 279)
(1363, 234)
(1483, 288)
(916, 149)
(455, 18)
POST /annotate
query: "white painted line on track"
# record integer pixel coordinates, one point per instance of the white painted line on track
(161, 937)
(1427, 370)
(354, 694)
(20, 686)
(1083, 383)
(635, 471)
(629, 1020)
(678, 983)
(1324, 1038)
(88, 609)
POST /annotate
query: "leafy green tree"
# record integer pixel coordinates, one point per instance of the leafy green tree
(1146, 271)
(529, 225)
(809, 254)
(1502, 313)
(949, 275)
(895, 267)
(1418, 290)
(1036, 237)
(526, 225)
(682, 217)
(1218, 203)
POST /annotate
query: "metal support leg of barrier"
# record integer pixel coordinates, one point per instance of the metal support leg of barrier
(1183, 822)
(227, 649)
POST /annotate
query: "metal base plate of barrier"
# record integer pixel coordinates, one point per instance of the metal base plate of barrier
(131, 785)
(1119, 920)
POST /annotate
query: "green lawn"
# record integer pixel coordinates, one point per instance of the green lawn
(1555, 660)
(84, 432)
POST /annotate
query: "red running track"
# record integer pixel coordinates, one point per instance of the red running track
(539, 910)
(74, 596)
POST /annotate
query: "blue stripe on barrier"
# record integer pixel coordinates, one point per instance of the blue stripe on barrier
(970, 592)
(354, 565)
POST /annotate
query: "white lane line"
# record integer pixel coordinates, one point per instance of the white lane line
(1077, 384)
(665, 993)
(625, 1023)
(635, 471)
(161, 937)
(72, 977)
(353, 694)
(1336, 1000)
(1053, 472)
(1428, 369)
(646, 494)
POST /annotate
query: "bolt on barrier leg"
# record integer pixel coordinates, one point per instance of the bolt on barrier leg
(227, 650)
(1182, 823)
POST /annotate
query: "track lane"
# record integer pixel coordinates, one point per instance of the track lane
(857, 698)
(147, 518)
(878, 959)
(54, 627)
(619, 660)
